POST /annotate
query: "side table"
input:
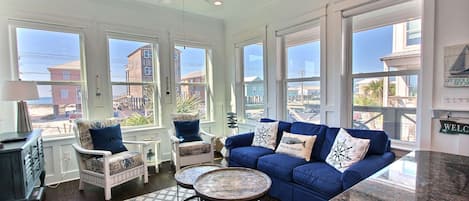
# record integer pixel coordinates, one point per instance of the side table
(186, 176)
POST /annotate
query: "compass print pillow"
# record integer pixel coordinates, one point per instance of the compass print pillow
(265, 134)
(347, 150)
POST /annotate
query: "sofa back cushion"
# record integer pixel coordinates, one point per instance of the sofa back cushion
(305, 128)
(378, 140)
(282, 126)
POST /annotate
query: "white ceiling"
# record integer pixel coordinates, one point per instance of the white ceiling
(229, 9)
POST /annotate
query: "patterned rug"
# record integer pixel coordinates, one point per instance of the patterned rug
(167, 194)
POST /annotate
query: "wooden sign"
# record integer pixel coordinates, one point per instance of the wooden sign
(453, 127)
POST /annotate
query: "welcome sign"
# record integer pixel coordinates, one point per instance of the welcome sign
(453, 127)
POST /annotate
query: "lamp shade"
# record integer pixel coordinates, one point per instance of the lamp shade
(19, 90)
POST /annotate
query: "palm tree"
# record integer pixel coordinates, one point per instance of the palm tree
(187, 104)
(375, 90)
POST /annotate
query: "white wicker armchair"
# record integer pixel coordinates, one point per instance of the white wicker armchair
(189, 153)
(102, 168)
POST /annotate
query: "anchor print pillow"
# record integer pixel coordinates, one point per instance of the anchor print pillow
(347, 150)
(265, 135)
(296, 145)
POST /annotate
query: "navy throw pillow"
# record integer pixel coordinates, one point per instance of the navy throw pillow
(188, 131)
(108, 139)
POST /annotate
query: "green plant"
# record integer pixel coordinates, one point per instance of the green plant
(136, 120)
(375, 90)
(187, 104)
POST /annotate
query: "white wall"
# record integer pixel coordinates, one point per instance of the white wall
(95, 18)
(451, 28)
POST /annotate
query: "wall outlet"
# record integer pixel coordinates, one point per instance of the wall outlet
(67, 156)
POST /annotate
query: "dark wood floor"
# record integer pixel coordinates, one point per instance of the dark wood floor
(68, 191)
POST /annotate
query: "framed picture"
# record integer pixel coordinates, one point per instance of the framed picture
(457, 66)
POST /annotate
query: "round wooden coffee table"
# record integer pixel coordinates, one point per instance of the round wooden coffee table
(186, 177)
(237, 184)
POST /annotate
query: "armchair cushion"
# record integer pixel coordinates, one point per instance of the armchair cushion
(117, 162)
(83, 130)
(194, 148)
(108, 138)
(188, 131)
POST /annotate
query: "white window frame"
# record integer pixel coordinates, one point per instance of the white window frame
(240, 83)
(14, 24)
(208, 75)
(282, 46)
(347, 36)
(155, 59)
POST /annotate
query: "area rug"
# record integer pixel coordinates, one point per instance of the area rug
(167, 194)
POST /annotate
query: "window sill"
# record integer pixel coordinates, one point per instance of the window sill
(52, 138)
(140, 129)
(401, 145)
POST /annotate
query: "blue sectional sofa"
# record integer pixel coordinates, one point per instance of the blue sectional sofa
(294, 179)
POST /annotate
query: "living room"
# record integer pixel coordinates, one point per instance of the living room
(235, 57)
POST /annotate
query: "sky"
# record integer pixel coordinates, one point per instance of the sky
(39, 50)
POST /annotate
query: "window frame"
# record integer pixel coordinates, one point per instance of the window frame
(240, 82)
(13, 24)
(283, 59)
(172, 84)
(156, 66)
(405, 15)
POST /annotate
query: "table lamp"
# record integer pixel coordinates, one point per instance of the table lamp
(21, 91)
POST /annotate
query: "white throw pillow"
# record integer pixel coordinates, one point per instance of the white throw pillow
(297, 145)
(347, 150)
(265, 134)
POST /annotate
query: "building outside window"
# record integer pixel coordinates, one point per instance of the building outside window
(385, 67)
(133, 82)
(56, 67)
(252, 81)
(302, 70)
(191, 80)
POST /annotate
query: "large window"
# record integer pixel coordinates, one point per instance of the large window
(302, 74)
(385, 67)
(52, 58)
(132, 67)
(252, 81)
(191, 80)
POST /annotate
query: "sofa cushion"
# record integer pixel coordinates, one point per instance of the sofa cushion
(282, 126)
(378, 140)
(188, 130)
(296, 145)
(117, 162)
(248, 156)
(108, 138)
(347, 150)
(265, 135)
(311, 129)
(194, 148)
(319, 177)
(279, 165)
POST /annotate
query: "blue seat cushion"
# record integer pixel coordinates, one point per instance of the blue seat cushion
(108, 139)
(248, 156)
(319, 177)
(187, 131)
(279, 165)
(378, 140)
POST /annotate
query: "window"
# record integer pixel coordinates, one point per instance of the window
(64, 94)
(385, 74)
(413, 33)
(66, 75)
(302, 67)
(147, 53)
(52, 58)
(191, 80)
(252, 81)
(133, 83)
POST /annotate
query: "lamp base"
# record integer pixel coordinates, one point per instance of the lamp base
(23, 122)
